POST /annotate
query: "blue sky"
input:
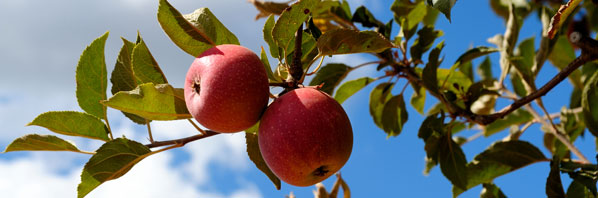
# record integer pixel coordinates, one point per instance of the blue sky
(40, 44)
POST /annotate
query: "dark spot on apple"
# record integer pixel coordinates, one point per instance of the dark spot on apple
(196, 85)
(306, 11)
(321, 171)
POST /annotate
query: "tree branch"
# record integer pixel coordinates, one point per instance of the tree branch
(182, 141)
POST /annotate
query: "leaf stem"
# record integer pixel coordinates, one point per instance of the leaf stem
(197, 127)
(149, 131)
(316, 69)
(108, 126)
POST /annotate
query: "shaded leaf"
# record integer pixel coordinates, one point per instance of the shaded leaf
(352, 41)
(517, 117)
(72, 123)
(378, 97)
(123, 78)
(562, 57)
(365, 17)
(424, 41)
(145, 67)
(111, 161)
(430, 71)
(351, 87)
(35, 142)
(467, 69)
(589, 104)
(196, 32)
(485, 69)
(577, 189)
(267, 8)
(408, 15)
(153, 102)
(443, 6)
(474, 53)
(91, 78)
(490, 190)
(331, 75)
(253, 150)
(289, 21)
(501, 158)
(452, 161)
(267, 31)
(554, 186)
(394, 115)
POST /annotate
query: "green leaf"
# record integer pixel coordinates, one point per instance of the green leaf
(366, 18)
(501, 158)
(351, 87)
(589, 104)
(274, 49)
(443, 6)
(430, 72)
(490, 190)
(586, 179)
(196, 32)
(111, 161)
(313, 29)
(452, 161)
(123, 78)
(91, 78)
(378, 97)
(554, 186)
(518, 85)
(394, 115)
(308, 50)
(145, 67)
(467, 69)
(562, 56)
(264, 59)
(409, 14)
(289, 21)
(331, 75)
(485, 69)
(561, 16)
(424, 41)
(153, 102)
(72, 123)
(418, 99)
(253, 150)
(474, 53)
(517, 117)
(35, 142)
(501, 7)
(577, 189)
(352, 42)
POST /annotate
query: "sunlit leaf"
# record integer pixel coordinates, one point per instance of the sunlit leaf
(253, 150)
(91, 78)
(351, 87)
(111, 161)
(196, 32)
(72, 123)
(266, 62)
(561, 16)
(123, 78)
(153, 102)
(418, 99)
(267, 31)
(145, 68)
(289, 21)
(443, 6)
(267, 8)
(346, 41)
(35, 142)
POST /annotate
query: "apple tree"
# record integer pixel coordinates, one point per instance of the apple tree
(228, 90)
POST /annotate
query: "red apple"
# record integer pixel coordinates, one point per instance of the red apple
(226, 88)
(305, 136)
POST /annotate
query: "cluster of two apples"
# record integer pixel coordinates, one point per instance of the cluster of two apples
(304, 135)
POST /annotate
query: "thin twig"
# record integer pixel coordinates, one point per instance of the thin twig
(316, 69)
(197, 127)
(182, 141)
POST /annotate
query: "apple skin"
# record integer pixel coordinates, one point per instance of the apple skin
(226, 88)
(305, 136)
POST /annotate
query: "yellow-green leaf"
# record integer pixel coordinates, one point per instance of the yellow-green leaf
(72, 123)
(289, 21)
(351, 87)
(35, 142)
(561, 16)
(152, 102)
(123, 78)
(145, 67)
(91, 78)
(196, 32)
